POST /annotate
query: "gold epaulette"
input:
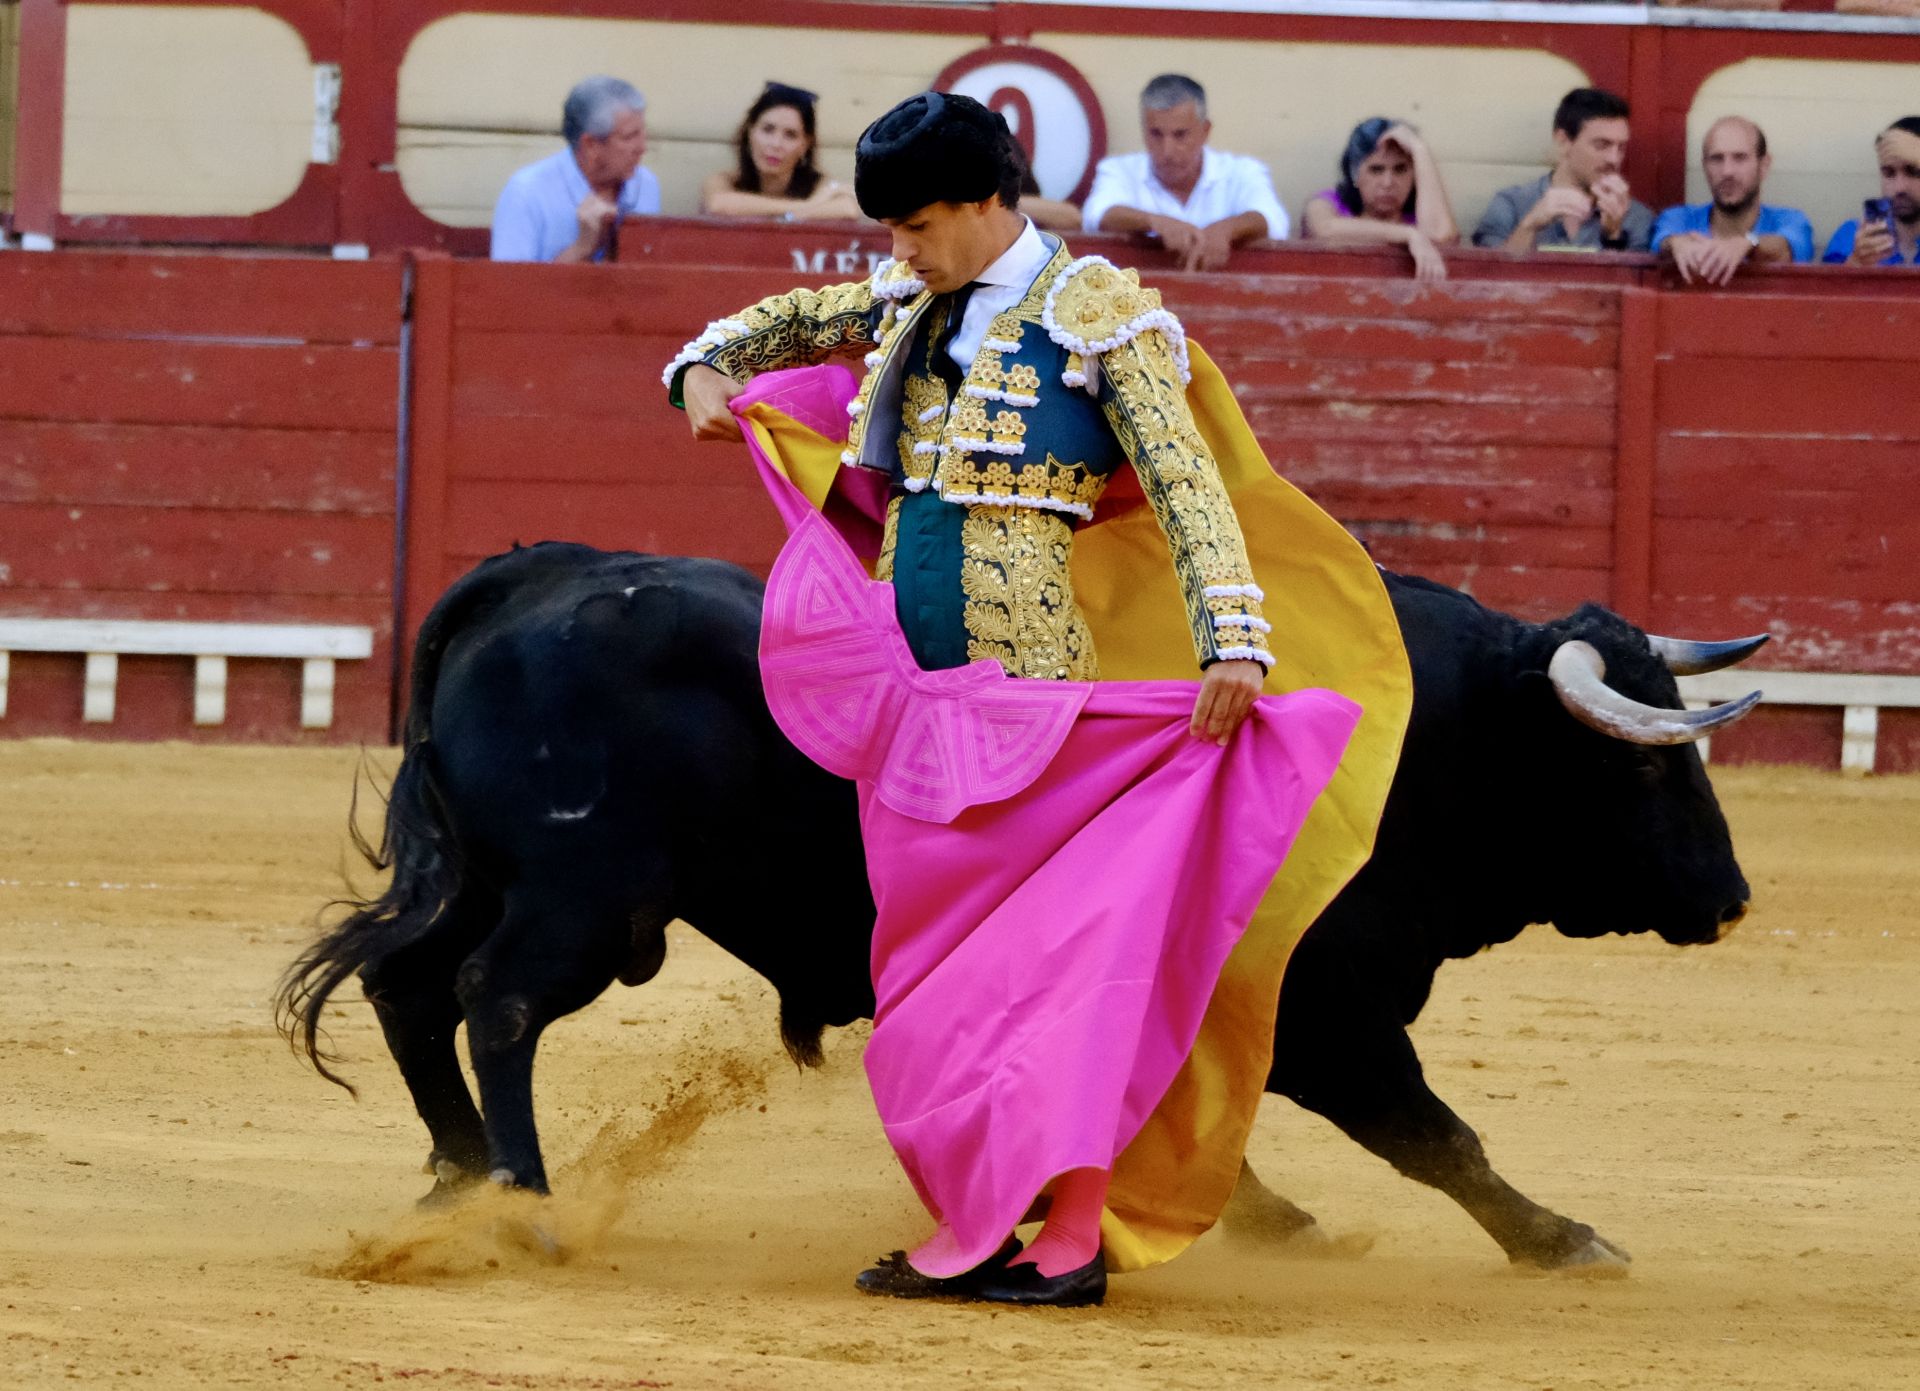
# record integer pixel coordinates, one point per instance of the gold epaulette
(1095, 307)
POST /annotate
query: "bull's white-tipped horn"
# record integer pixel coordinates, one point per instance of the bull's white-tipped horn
(1578, 673)
(1685, 657)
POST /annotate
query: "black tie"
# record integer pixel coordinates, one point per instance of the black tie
(954, 304)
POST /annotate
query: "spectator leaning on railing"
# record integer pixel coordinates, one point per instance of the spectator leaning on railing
(774, 174)
(1710, 241)
(1583, 203)
(1200, 202)
(1892, 236)
(568, 206)
(1389, 191)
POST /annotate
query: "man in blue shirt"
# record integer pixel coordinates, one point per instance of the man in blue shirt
(568, 206)
(1709, 241)
(1884, 243)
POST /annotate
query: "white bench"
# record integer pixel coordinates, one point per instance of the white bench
(105, 640)
(1860, 697)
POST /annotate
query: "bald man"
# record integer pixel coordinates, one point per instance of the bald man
(1892, 241)
(1708, 242)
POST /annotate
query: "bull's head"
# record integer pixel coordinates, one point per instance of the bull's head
(1652, 842)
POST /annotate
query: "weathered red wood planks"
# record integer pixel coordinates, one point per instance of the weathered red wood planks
(143, 295)
(200, 438)
(193, 466)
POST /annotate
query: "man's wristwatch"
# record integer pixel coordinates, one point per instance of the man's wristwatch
(1753, 240)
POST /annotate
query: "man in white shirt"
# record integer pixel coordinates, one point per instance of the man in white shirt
(1200, 203)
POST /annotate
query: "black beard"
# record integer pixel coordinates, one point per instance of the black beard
(1735, 209)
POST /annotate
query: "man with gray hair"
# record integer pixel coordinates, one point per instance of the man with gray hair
(1199, 202)
(568, 206)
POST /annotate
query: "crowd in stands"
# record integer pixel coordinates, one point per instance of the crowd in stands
(1201, 203)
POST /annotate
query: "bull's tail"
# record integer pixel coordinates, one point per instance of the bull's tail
(418, 849)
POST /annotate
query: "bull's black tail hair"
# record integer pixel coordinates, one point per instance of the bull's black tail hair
(417, 845)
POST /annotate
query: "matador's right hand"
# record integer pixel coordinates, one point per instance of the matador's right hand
(706, 393)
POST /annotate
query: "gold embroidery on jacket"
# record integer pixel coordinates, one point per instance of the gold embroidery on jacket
(1148, 411)
(918, 396)
(1052, 485)
(889, 541)
(799, 327)
(1020, 609)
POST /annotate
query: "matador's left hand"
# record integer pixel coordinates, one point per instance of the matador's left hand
(1227, 693)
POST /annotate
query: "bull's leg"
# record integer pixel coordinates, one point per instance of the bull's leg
(413, 998)
(1338, 1051)
(554, 952)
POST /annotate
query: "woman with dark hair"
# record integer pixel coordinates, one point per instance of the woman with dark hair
(1389, 191)
(776, 176)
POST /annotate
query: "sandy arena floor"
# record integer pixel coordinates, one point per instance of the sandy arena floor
(186, 1206)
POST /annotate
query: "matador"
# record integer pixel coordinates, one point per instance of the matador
(1025, 1031)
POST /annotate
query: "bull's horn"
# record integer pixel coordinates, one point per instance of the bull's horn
(1685, 657)
(1578, 674)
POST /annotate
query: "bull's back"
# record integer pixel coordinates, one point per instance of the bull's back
(573, 683)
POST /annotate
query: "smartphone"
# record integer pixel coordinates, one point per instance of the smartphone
(1877, 210)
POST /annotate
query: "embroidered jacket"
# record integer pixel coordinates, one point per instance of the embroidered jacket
(1085, 371)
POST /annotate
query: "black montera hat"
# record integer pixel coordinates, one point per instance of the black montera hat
(937, 147)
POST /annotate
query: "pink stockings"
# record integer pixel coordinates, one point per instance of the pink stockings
(1071, 1237)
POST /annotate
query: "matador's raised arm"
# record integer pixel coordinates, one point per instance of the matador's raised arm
(790, 330)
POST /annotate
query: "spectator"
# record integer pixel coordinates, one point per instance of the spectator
(1389, 191)
(568, 206)
(1894, 240)
(1583, 203)
(1710, 241)
(775, 174)
(1054, 214)
(1200, 203)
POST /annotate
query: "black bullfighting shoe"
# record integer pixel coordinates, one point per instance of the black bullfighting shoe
(1024, 1284)
(894, 1277)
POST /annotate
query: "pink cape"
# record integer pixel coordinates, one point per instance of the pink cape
(1060, 868)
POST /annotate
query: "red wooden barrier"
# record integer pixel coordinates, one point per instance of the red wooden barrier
(197, 438)
(1787, 434)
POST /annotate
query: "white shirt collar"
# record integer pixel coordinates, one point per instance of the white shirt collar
(1020, 264)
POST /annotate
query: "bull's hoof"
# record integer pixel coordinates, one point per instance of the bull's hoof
(506, 1178)
(1597, 1259)
(450, 1182)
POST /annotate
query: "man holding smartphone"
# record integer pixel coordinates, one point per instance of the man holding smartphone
(1888, 233)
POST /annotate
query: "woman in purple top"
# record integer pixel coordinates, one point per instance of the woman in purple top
(1389, 191)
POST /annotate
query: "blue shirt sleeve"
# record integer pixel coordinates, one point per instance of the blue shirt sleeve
(1671, 223)
(516, 224)
(1798, 231)
(1840, 245)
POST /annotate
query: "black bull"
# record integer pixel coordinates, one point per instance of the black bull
(588, 757)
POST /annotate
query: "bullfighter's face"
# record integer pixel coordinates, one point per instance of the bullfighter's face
(948, 244)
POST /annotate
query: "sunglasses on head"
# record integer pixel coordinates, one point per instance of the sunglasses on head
(781, 91)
